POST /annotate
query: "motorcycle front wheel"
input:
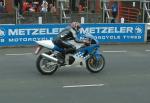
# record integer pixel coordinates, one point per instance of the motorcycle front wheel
(94, 65)
(45, 66)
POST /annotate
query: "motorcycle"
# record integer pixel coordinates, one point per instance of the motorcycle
(87, 55)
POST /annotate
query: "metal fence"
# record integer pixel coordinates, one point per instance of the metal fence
(32, 18)
(101, 16)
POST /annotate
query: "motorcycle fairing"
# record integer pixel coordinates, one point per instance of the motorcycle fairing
(46, 43)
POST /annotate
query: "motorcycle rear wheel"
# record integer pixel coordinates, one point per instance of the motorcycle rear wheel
(45, 66)
(93, 65)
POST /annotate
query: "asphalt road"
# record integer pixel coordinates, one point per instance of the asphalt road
(125, 78)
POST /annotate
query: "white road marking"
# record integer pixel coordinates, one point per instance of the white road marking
(18, 54)
(147, 50)
(77, 86)
(122, 51)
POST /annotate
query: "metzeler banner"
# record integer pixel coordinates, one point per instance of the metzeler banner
(15, 35)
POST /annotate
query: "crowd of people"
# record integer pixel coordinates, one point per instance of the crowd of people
(24, 6)
(43, 6)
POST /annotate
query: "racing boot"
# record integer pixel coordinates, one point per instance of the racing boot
(61, 58)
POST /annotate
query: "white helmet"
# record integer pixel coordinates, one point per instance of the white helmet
(75, 25)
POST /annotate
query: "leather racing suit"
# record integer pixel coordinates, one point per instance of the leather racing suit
(62, 40)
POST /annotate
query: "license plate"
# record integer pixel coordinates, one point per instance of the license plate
(37, 49)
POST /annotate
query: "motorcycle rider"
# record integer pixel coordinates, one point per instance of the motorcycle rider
(64, 36)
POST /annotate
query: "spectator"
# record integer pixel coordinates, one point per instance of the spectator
(25, 6)
(114, 11)
(32, 8)
(52, 8)
(44, 6)
(19, 5)
(1, 6)
(1, 2)
(81, 9)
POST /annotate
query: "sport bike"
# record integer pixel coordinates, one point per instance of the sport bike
(87, 55)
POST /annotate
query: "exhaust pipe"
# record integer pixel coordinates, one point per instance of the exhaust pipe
(49, 57)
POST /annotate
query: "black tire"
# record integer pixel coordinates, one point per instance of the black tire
(95, 66)
(47, 69)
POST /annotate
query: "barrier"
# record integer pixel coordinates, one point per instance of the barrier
(117, 33)
(18, 35)
(148, 31)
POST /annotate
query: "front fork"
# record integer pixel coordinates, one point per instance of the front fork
(96, 54)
